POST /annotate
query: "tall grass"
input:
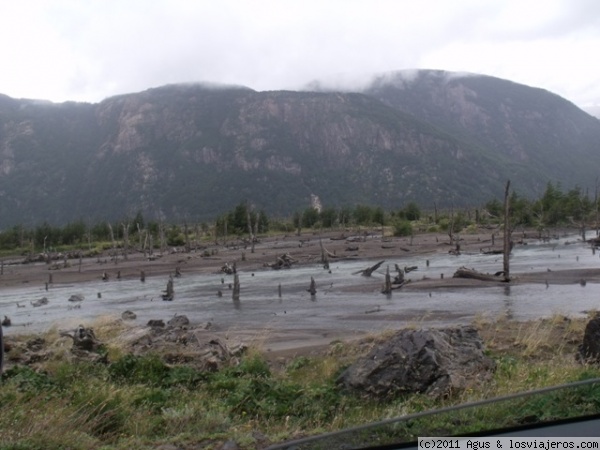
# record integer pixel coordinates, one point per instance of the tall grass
(140, 402)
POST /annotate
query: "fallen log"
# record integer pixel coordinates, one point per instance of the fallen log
(463, 272)
(369, 270)
(284, 261)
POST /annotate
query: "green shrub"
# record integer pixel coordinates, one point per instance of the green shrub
(403, 228)
(131, 369)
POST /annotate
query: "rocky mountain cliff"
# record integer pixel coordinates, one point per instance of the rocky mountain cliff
(194, 151)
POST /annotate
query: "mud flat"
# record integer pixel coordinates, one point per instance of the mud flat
(560, 275)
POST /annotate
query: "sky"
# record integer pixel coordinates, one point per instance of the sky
(88, 50)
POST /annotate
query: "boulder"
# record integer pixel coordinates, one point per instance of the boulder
(40, 302)
(178, 322)
(128, 315)
(76, 298)
(434, 361)
(589, 350)
(156, 323)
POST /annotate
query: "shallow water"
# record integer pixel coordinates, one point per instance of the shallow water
(335, 307)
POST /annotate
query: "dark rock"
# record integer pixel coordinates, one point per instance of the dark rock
(40, 302)
(156, 323)
(589, 350)
(432, 361)
(76, 298)
(230, 445)
(178, 322)
(128, 315)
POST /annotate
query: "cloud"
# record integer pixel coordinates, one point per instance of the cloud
(73, 50)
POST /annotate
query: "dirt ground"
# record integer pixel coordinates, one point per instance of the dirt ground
(368, 245)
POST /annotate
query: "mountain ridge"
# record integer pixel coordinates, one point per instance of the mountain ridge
(193, 151)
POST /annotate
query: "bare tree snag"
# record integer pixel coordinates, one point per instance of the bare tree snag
(140, 242)
(170, 292)
(312, 289)
(114, 244)
(83, 338)
(387, 285)
(324, 256)
(369, 271)
(187, 237)
(507, 244)
(125, 239)
(235, 295)
(161, 234)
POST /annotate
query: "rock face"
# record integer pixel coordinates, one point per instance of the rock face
(431, 361)
(408, 137)
(589, 350)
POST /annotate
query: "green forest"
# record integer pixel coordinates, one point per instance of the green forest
(556, 207)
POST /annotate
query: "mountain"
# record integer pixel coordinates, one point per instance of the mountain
(593, 111)
(195, 151)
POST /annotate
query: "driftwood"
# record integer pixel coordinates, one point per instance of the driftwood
(399, 278)
(40, 302)
(284, 261)
(463, 272)
(229, 269)
(170, 291)
(369, 270)
(83, 338)
(491, 251)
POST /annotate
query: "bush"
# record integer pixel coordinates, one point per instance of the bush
(403, 228)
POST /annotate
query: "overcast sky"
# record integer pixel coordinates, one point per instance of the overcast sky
(87, 50)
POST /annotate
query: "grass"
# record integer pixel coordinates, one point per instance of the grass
(141, 402)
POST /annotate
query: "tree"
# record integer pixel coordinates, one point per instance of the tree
(378, 216)
(328, 217)
(412, 211)
(363, 215)
(310, 217)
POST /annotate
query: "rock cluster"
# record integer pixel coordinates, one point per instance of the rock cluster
(434, 361)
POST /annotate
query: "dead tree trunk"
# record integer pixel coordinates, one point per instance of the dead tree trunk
(170, 292)
(250, 229)
(235, 295)
(161, 233)
(387, 285)
(187, 238)
(114, 245)
(507, 246)
(125, 240)
(313, 287)
(369, 270)
(141, 241)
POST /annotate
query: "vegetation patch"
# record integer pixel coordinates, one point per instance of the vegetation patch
(140, 401)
